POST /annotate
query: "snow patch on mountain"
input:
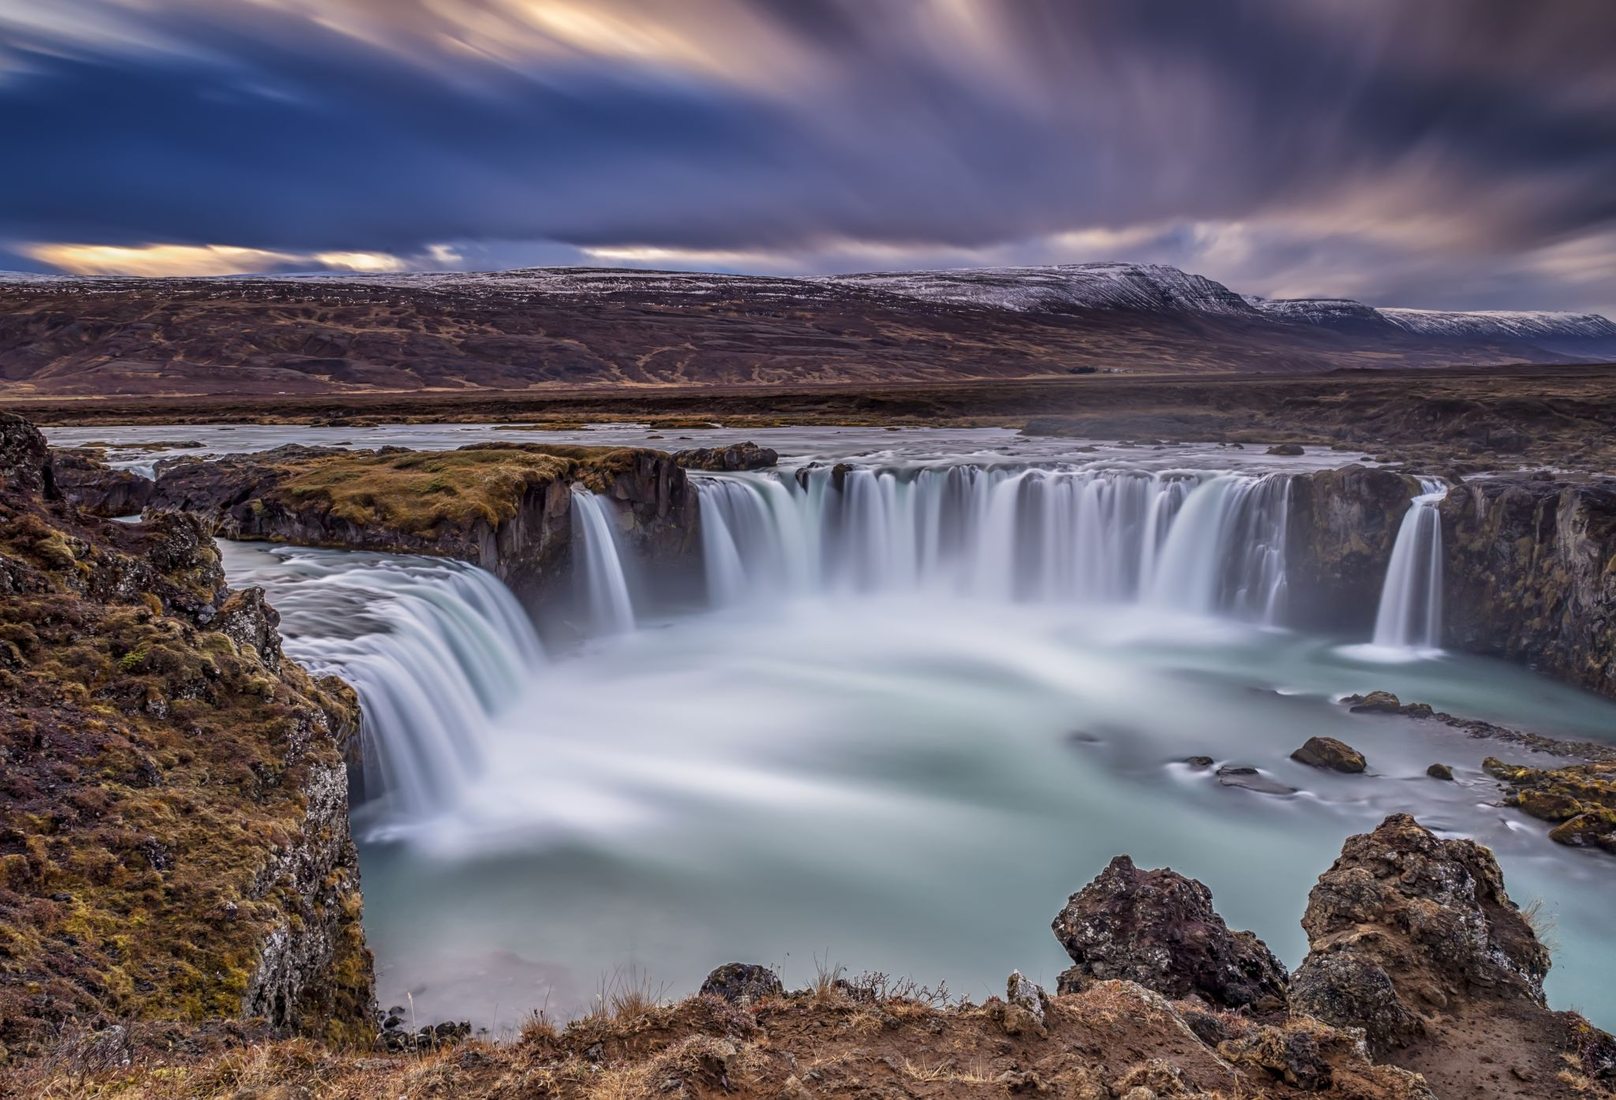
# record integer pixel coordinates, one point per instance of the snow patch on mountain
(1505, 324)
(1145, 288)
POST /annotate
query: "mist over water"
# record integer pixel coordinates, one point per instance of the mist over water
(896, 727)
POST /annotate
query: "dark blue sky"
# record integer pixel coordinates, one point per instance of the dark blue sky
(1447, 153)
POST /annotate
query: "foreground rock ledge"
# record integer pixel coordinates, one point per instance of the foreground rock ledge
(174, 840)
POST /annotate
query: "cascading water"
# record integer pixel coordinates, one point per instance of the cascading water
(1410, 615)
(1181, 541)
(436, 650)
(605, 581)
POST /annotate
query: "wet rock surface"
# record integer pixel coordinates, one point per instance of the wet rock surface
(1327, 752)
(1529, 574)
(736, 456)
(1342, 526)
(83, 478)
(1159, 929)
(1578, 800)
(504, 507)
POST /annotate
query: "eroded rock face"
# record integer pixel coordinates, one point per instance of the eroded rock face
(736, 456)
(174, 840)
(1403, 926)
(1342, 526)
(1531, 574)
(1159, 929)
(84, 479)
(506, 508)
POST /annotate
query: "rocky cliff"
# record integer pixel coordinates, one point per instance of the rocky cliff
(504, 507)
(174, 840)
(1531, 574)
(1343, 524)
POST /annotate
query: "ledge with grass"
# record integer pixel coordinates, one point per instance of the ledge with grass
(503, 506)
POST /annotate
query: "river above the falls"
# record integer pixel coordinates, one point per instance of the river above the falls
(898, 778)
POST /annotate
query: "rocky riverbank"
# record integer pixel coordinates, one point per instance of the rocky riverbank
(174, 838)
(504, 507)
(1423, 980)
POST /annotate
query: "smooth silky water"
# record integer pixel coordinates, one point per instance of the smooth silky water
(905, 721)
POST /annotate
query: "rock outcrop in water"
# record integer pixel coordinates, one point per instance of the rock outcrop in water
(1531, 575)
(1159, 929)
(736, 456)
(1343, 524)
(174, 840)
(84, 479)
(504, 507)
(1579, 800)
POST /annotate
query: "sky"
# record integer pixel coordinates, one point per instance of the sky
(1442, 154)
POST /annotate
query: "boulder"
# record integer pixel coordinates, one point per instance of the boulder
(1159, 929)
(1327, 752)
(1579, 798)
(25, 465)
(1376, 702)
(736, 456)
(1289, 450)
(1440, 771)
(742, 983)
(1402, 926)
(84, 479)
(1249, 778)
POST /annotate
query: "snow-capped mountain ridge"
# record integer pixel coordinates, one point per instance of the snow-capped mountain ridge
(1520, 324)
(1148, 288)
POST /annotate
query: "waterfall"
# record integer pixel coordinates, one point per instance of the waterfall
(1183, 541)
(435, 649)
(1410, 615)
(606, 591)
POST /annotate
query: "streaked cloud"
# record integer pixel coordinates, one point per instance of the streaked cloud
(1447, 153)
(166, 260)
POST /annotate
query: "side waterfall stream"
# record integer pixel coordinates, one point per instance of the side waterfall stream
(900, 722)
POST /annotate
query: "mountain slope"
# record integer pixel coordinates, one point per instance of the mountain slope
(594, 326)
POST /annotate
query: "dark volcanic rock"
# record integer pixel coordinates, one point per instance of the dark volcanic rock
(1342, 525)
(1290, 450)
(505, 507)
(1248, 778)
(1159, 929)
(1439, 771)
(742, 983)
(1376, 702)
(25, 465)
(174, 834)
(737, 456)
(1403, 926)
(1529, 575)
(1327, 752)
(85, 480)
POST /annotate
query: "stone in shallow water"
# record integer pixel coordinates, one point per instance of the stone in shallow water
(1376, 702)
(1440, 771)
(1327, 752)
(1249, 778)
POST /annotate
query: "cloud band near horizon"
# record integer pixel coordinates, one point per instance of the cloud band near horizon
(1450, 154)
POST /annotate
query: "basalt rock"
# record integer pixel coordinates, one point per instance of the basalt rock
(1327, 752)
(1579, 800)
(742, 983)
(736, 456)
(1531, 575)
(1159, 929)
(174, 840)
(1414, 940)
(84, 479)
(504, 507)
(1342, 526)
